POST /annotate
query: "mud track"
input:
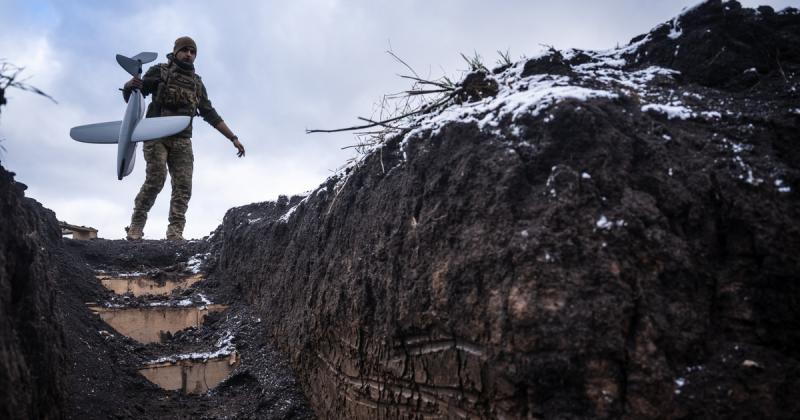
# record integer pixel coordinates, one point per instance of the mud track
(209, 352)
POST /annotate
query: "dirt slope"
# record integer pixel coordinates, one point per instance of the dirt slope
(596, 235)
(31, 342)
(59, 360)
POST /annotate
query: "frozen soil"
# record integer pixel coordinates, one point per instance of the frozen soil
(582, 234)
(102, 378)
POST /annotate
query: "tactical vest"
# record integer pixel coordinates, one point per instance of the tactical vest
(178, 93)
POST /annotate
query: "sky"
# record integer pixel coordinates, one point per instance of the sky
(272, 70)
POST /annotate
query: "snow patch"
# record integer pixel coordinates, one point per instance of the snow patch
(679, 383)
(604, 223)
(195, 261)
(132, 274)
(224, 347)
(185, 302)
(693, 95)
(288, 214)
(671, 111)
(782, 188)
(750, 364)
(539, 92)
(676, 31)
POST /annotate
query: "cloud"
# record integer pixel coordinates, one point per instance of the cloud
(272, 70)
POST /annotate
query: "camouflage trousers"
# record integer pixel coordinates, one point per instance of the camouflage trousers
(173, 154)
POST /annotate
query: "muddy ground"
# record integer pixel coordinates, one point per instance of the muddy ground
(103, 377)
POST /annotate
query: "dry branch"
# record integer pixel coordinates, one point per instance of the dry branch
(8, 78)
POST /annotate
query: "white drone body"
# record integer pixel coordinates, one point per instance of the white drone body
(134, 127)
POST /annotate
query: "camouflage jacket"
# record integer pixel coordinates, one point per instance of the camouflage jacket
(177, 91)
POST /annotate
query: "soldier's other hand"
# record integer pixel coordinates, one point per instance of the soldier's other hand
(239, 147)
(134, 83)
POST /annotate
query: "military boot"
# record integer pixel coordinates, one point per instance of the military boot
(174, 233)
(134, 233)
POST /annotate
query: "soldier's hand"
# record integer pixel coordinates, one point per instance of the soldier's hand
(239, 147)
(134, 83)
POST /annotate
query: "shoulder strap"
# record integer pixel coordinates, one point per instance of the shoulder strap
(164, 76)
(198, 84)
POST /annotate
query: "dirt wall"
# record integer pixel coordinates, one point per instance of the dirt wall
(31, 341)
(597, 259)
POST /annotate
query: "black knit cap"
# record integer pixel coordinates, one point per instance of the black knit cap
(183, 42)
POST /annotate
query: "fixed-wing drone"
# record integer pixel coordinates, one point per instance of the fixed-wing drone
(134, 127)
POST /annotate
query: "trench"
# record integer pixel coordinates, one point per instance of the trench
(190, 376)
(142, 286)
(193, 373)
(154, 324)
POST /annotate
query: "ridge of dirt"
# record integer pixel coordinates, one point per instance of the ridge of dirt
(611, 234)
(32, 346)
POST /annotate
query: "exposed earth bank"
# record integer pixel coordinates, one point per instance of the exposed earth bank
(580, 235)
(32, 347)
(62, 361)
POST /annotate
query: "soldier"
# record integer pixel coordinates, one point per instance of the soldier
(177, 90)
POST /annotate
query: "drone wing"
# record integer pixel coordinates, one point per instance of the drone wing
(133, 65)
(103, 133)
(157, 127)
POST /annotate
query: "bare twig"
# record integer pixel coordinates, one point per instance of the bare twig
(339, 190)
(379, 123)
(8, 78)
(402, 62)
(505, 58)
(352, 146)
(384, 122)
(426, 92)
(368, 133)
(716, 56)
(446, 85)
(383, 168)
(780, 68)
(392, 115)
(475, 62)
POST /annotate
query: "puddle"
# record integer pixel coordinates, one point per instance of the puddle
(190, 376)
(139, 286)
(150, 324)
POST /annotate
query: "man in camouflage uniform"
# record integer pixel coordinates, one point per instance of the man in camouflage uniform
(177, 90)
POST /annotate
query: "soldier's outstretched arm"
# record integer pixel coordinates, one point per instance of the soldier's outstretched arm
(223, 128)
